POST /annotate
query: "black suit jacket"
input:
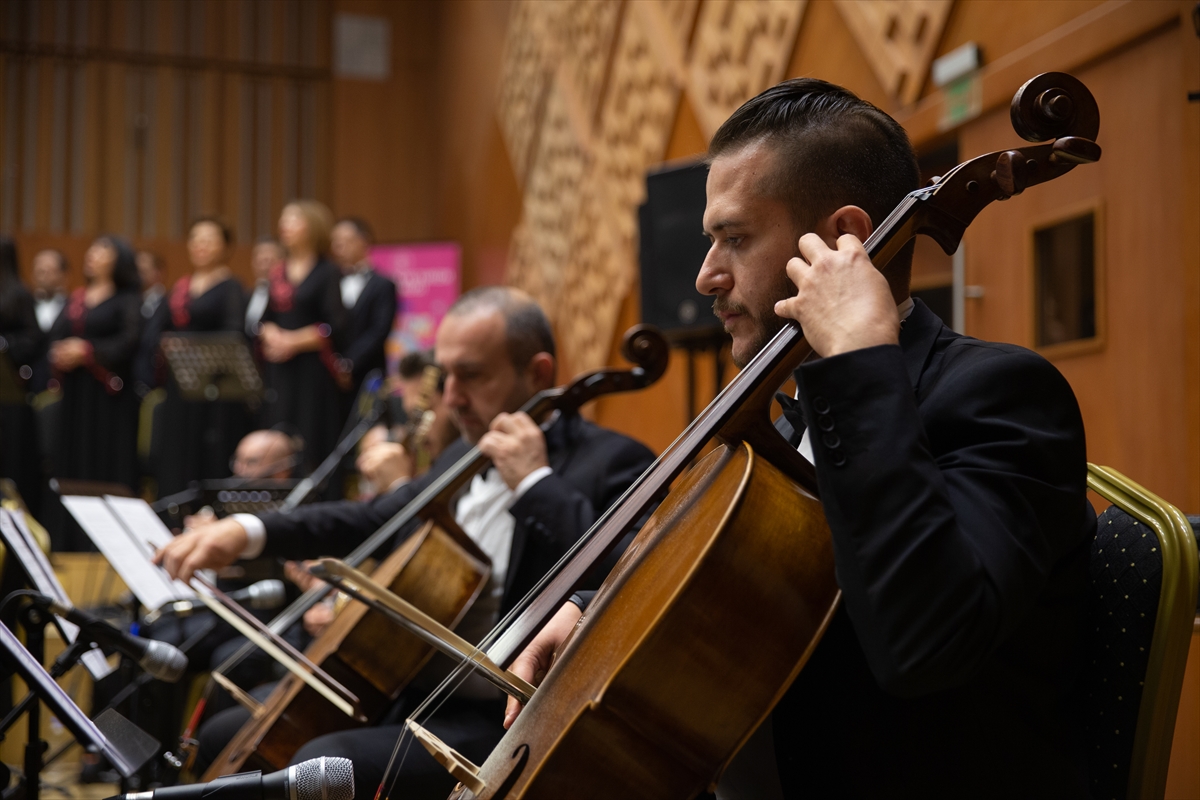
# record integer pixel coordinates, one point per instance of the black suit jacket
(591, 466)
(953, 476)
(368, 325)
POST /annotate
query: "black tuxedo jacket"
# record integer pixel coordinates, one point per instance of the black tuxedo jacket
(368, 325)
(592, 467)
(953, 476)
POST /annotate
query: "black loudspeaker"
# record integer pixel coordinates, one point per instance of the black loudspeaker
(673, 246)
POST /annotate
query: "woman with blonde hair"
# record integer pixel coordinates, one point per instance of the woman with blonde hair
(301, 332)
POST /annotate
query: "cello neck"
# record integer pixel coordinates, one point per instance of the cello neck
(741, 412)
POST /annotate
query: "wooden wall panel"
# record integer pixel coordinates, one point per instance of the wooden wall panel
(385, 133)
(130, 120)
(1133, 392)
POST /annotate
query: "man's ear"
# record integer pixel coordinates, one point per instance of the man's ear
(847, 219)
(541, 370)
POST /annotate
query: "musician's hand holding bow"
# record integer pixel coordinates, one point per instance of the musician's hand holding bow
(535, 660)
(211, 546)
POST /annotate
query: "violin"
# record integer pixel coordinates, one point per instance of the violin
(652, 695)
(439, 570)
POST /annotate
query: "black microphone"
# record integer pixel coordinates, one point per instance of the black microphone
(263, 595)
(159, 659)
(324, 778)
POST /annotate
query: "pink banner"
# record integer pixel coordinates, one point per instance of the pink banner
(427, 277)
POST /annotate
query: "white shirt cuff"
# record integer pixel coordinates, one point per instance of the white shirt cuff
(528, 482)
(256, 534)
(396, 484)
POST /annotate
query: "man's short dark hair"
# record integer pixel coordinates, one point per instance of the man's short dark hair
(412, 365)
(525, 324)
(834, 149)
(215, 219)
(361, 225)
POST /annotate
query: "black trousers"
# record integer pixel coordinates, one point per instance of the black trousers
(472, 727)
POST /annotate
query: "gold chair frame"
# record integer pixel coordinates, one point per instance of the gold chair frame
(1172, 626)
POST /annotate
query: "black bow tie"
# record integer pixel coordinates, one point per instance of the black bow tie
(793, 412)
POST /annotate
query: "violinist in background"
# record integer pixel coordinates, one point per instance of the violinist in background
(952, 474)
(22, 343)
(543, 492)
(388, 458)
(93, 345)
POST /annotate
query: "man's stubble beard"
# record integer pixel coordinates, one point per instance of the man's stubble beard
(766, 322)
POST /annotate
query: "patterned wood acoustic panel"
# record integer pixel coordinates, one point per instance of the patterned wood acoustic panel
(588, 97)
(634, 123)
(898, 39)
(540, 259)
(740, 49)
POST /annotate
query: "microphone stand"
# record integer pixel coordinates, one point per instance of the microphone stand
(34, 621)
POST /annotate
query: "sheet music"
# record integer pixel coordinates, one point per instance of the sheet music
(128, 549)
(25, 549)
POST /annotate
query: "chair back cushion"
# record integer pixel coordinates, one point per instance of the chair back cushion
(1126, 573)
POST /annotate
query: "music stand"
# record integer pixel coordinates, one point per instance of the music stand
(40, 575)
(212, 366)
(127, 760)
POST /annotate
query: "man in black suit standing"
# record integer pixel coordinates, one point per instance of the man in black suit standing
(543, 492)
(952, 473)
(369, 298)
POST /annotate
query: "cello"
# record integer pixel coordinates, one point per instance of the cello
(652, 695)
(439, 569)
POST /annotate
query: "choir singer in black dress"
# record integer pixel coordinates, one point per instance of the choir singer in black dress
(197, 439)
(93, 344)
(22, 343)
(301, 334)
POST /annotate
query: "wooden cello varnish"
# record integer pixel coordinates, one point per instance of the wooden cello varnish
(437, 571)
(699, 607)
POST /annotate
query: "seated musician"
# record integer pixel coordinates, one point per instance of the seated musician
(496, 350)
(952, 473)
(269, 453)
(383, 462)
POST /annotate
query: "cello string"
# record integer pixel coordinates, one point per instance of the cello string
(458, 676)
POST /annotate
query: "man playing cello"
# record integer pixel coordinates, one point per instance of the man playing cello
(496, 350)
(952, 473)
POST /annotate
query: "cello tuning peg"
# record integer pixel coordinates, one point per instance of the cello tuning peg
(1075, 150)
(1010, 173)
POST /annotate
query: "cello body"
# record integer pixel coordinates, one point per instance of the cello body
(688, 599)
(434, 571)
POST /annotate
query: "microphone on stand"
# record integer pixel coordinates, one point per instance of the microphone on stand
(263, 595)
(323, 778)
(159, 659)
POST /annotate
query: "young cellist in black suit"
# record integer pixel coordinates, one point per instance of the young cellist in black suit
(952, 473)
